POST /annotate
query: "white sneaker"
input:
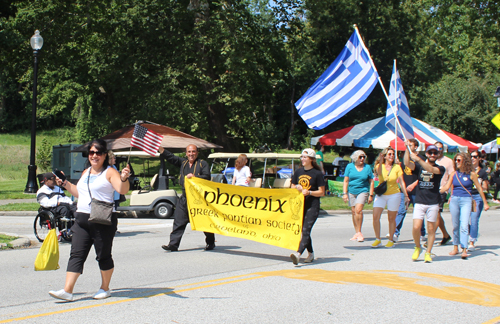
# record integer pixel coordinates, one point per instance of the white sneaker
(102, 294)
(61, 294)
(310, 258)
(471, 248)
(295, 258)
(395, 238)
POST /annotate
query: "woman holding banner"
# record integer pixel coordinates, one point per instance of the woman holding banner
(308, 180)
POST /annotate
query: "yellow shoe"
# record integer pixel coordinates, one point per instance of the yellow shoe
(389, 244)
(416, 254)
(427, 257)
(377, 243)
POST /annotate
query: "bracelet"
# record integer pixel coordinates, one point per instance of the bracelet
(344, 193)
(124, 180)
(371, 195)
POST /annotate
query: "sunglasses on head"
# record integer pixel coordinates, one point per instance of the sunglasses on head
(98, 153)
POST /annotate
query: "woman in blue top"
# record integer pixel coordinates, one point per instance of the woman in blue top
(461, 200)
(358, 189)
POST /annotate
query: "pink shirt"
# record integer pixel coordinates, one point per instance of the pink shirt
(448, 165)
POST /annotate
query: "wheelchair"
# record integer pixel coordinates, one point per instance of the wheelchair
(47, 220)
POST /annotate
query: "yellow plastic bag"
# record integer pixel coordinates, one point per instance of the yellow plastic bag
(48, 256)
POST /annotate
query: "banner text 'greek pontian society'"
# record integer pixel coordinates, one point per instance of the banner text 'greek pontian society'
(270, 216)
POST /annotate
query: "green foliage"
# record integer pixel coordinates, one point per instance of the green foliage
(44, 156)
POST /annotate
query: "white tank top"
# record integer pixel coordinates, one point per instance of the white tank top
(100, 187)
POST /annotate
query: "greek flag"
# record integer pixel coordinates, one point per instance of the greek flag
(398, 101)
(344, 85)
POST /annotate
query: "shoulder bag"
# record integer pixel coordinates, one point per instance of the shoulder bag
(382, 187)
(100, 211)
(474, 204)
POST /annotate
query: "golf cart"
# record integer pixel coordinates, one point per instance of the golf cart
(280, 175)
(155, 197)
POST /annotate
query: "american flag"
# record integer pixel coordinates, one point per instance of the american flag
(146, 140)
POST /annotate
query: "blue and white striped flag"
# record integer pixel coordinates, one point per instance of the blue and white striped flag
(344, 85)
(398, 101)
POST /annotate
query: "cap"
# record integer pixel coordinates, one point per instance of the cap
(46, 176)
(309, 152)
(431, 147)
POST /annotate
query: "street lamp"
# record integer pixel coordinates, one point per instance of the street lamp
(497, 95)
(32, 185)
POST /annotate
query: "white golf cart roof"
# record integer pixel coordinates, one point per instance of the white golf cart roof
(257, 155)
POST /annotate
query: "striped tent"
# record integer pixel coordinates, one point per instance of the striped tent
(375, 134)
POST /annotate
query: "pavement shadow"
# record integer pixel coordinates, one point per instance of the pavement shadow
(133, 233)
(285, 258)
(143, 292)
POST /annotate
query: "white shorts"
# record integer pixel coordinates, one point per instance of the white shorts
(431, 211)
(392, 201)
(354, 200)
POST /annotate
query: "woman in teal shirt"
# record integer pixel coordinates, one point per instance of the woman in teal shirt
(358, 189)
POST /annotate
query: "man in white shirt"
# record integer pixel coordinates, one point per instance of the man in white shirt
(51, 197)
(448, 165)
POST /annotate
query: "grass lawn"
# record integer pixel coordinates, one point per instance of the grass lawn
(7, 239)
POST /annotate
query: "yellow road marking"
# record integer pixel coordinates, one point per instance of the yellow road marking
(425, 284)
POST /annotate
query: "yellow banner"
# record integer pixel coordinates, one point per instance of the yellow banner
(270, 216)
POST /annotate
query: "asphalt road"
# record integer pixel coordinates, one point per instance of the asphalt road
(247, 282)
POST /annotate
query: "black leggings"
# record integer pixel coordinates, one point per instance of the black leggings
(86, 234)
(310, 217)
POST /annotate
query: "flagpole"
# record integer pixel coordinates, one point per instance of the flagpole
(381, 84)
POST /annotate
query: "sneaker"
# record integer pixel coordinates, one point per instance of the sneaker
(389, 244)
(395, 238)
(61, 294)
(360, 238)
(427, 257)
(377, 243)
(471, 247)
(102, 294)
(295, 258)
(416, 254)
(310, 258)
(169, 248)
(210, 247)
(445, 240)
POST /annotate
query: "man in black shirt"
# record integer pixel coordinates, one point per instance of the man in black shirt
(427, 197)
(190, 167)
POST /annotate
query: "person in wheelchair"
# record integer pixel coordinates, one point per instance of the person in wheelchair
(51, 197)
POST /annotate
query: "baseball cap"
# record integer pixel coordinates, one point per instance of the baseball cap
(48, 175)
(431, 147)
(309, 152)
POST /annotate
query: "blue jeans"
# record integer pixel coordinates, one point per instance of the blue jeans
(400, 217)
(460, 209)
(474, 218)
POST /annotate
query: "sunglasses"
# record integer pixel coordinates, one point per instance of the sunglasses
(390, 154)
(439, 148)
(432, 153)
(474, 156)
(98, 153)
(458, 160)
(362, 156)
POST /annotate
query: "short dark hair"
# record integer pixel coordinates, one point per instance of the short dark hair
(414, 141)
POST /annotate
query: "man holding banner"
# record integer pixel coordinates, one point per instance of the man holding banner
(190, 168)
